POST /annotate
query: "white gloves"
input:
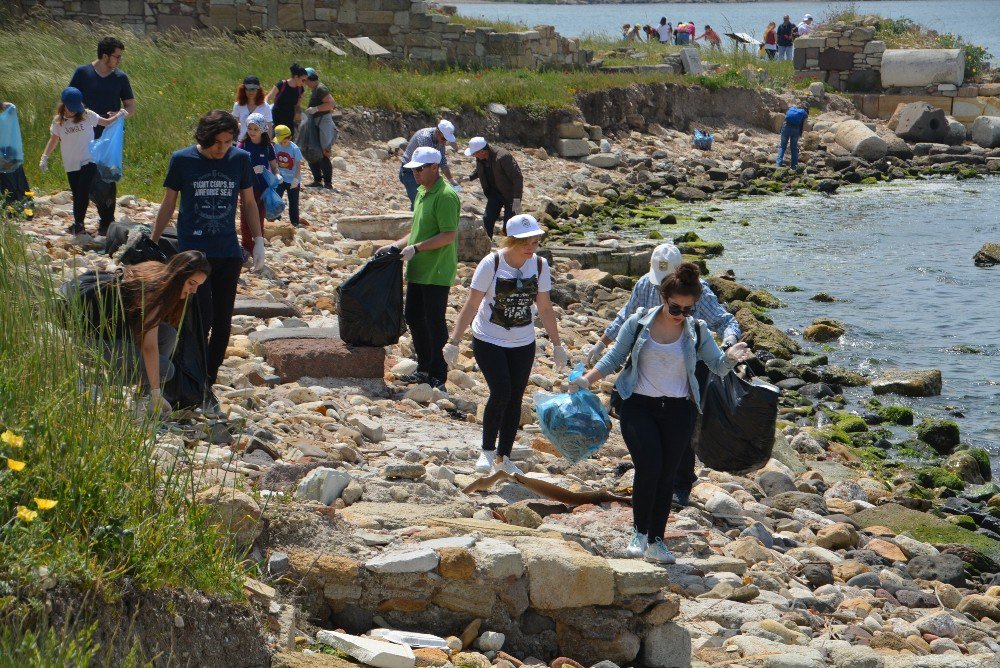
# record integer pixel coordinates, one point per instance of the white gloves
(157, 404)
(258, 169)
(450, 354)
(258, 254)
(385, 249)
(516, 206)
(280, 179)
(729, 341)
(408, 253)
(560, 357)
(739, 352)
(43, 164)
(580, 382)
(594, 354)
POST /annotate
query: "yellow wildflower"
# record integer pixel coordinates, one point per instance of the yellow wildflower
(29, 212)
(12, 439)
(29, 193)
(25, 514)
(45, 504)
(14, 465)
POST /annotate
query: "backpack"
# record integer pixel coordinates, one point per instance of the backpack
(99, 295)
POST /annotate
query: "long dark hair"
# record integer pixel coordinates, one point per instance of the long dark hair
(151, 291)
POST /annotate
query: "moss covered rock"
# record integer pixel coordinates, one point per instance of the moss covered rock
(942, 435)
(965, 466)
(851, 423)
(963, 521)
(761, 336)
(936, 476)
(764, 298)
(985, 466)
(824, 329)
(896, 414)
(727, 289)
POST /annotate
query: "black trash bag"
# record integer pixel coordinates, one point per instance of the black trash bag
(135, 242)
(371, 303)
(189, 386)
(735, 433)
(100, 299)
(308, 141)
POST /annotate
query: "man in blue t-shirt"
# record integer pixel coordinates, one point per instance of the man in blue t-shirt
(105, 90)
(212, 178)
(791, 130)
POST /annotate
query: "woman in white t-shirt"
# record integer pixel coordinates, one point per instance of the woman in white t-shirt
(73, 128)
(506, 286)
(250, 99)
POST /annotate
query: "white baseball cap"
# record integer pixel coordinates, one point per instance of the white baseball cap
(666, 257)
(807, 17)
(447, 128)
(522, 226)
(476, 144)
(424, 155)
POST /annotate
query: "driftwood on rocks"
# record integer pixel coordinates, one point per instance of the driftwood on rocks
(547, 489)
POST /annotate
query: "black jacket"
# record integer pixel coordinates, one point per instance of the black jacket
(505, 173)
(787, 32)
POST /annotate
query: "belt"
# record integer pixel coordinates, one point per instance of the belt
(655, 403)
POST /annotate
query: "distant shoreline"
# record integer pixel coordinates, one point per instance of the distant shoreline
(603, 2)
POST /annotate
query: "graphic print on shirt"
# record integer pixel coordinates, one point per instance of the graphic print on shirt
(215, 202)
(512, 304)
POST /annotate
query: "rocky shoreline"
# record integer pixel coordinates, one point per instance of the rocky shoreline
(854, 547)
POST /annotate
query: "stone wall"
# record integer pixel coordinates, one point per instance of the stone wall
(845, 56)
(407, 28)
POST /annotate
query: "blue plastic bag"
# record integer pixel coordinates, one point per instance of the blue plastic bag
(107, 152)
(576, 423)
(11, 145)
(702, 140)
(274, 206)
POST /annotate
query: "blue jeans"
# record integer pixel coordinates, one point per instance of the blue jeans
(785, 52)
(789, 135)
(410, 183)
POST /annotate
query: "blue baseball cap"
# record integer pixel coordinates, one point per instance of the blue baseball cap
(73, 99)
(311, 74)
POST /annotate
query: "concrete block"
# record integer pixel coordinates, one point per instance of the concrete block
(920, 122)
(887, 103)
(316, 352)
(835, 59)
(861, 141)
(923, 67)
(322, 484)
(986, 131)
(692, 61)
(573, 148)
(368, 651)
(411, 561)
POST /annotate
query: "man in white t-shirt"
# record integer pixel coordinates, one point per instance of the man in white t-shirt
(806, 26)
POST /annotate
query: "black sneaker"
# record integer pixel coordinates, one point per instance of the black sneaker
(682, 498)
(418, 378)
(315, 184)
(437, 384)
(210, 407)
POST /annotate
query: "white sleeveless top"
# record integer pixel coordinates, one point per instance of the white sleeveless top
(661, 369)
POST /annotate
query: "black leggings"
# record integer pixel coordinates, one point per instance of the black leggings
(80, 182)
(322, 171)
(216, 298)
(293, 201)
(506, 371)
(657, 433)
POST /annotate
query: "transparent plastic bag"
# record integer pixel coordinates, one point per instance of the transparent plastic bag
(576, 423)
(107, 152)
(274, 206)
(11, 144)
(702, 140)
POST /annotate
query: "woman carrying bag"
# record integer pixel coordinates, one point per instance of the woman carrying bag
(661, 398)
(505, 287)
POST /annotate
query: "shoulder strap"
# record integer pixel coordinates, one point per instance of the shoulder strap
(697, 335)
(538, 259)
(638, 329)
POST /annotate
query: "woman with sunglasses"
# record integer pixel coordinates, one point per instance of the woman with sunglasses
(661, 398)
(506, 286)
(250, 100)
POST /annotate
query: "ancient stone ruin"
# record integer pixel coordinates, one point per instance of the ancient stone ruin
(408, 29)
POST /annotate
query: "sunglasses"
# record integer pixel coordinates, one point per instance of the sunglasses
(674, 309)
(420, 169)
(251, 87)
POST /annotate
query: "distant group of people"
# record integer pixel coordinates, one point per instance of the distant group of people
(778, 40)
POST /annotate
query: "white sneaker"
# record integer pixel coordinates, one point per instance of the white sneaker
(637, 546)
(658, 552)
(485, 463)
(508, 466)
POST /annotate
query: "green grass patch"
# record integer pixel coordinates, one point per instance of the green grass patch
(501, 25)
(80, 495)
(178, 77)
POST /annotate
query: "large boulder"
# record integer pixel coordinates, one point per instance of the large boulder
(919, 121)
(316, 352)
(761, 336)
(986, 131)
(988, 255)
(942, 435)
(946, 568)
(473, 244)
(922, 67)
(563, 575)
(861, 141)
(957, 132)
(919, 383)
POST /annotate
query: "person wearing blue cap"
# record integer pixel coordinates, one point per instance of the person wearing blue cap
(106, 90)
(73, 129)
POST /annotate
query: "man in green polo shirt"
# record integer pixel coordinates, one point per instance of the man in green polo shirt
(431, 251)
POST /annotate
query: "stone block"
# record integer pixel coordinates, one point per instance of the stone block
(667, 646)
(920, 122)
(572, 130)
(260, 308)
(957, 133)
(887, 103)
(863, 81)
(573, 148)
(799, 59)
(968, 110)
(835, 59)
(603, 160)
(368, 651)
(918, 383)
(923, 67)
(633, 576)
(498, 560)
(562, 575)
(317, 353)
(323, 485)
(692, 61)
(810, 43)
(411, 561)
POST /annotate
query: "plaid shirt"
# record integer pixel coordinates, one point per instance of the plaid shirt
(646, 294)
(424, 137)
